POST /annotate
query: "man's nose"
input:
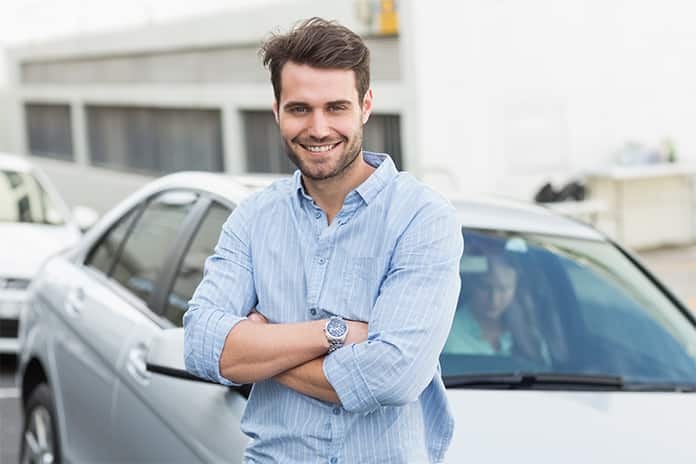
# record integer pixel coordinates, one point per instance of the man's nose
(319, 126)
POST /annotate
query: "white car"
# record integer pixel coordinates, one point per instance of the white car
(34, 224)
(595, 361)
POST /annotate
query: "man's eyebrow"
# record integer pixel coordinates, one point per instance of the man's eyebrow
(294, 103)
(339, 102)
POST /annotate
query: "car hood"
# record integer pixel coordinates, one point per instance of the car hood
(26, 246)
(572, 427)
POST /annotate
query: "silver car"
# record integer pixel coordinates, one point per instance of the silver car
(35, 223)
(591, 359)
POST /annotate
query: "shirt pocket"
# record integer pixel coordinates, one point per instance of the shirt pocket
(364, 278)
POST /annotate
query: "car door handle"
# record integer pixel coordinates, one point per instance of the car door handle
(75, 301)
(137, 364)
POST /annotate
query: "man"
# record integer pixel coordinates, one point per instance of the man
(332, 292)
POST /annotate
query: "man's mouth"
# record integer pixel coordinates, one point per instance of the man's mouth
(320, 148)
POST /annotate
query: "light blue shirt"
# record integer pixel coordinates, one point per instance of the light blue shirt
(389, 258)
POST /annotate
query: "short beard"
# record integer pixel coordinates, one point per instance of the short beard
(345, 162)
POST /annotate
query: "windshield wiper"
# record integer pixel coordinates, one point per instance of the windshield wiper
(532, 380)
(660, 387)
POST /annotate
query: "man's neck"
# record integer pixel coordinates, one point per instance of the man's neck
(330, 193)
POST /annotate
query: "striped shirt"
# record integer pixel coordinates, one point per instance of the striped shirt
(389, 258)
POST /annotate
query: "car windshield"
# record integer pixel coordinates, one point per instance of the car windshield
(540, 306)
(22, 199)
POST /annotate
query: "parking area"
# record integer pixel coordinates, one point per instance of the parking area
(677, 268)
(674, 266)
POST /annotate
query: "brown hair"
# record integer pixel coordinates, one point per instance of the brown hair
(321, 44)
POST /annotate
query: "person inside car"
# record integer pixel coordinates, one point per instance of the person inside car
(494, 317)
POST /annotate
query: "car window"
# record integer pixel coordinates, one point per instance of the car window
(191, 269)
(23, 199)
(545, 304)
(146, 248)
(101, 257)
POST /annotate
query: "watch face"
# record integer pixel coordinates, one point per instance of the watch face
(336, 327)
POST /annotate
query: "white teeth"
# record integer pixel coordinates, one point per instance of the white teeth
(319, 148)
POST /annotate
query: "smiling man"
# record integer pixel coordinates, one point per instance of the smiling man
(333, 291)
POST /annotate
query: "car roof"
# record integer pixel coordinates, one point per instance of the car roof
(497, 213)
(481, 212)
(15, 162)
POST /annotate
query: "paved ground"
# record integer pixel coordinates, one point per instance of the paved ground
(676, 268)
(10, 417)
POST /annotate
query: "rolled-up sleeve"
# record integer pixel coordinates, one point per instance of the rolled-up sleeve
(410, 321)
(223, 298)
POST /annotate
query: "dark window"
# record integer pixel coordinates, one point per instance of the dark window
(265, 152)
(49, 130)
(383, 135)
(102, 255)
(264, 147)
(191, 271)
(144, 254)
(155, 140)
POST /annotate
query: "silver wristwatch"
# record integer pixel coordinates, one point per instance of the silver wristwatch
(336, 331)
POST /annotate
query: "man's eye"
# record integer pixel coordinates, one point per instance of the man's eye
(298, 109)
(337, 107)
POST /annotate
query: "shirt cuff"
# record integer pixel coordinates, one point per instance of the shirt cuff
(223, 326)
(345, 376)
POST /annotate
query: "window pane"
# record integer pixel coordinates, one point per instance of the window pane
(264, 147)
(102, 255)
(49, 130)
(155, 140)
(383, 135)
(23, 199)
(191, 271)
(147, 247)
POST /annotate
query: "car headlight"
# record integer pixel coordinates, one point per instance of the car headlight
(14, 284)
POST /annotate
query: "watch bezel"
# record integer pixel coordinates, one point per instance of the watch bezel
(333, 339)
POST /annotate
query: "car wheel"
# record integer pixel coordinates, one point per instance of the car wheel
(40, 434)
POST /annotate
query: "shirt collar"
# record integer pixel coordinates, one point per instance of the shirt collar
(385, 171)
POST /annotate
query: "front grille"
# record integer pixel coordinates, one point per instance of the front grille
(9, 328)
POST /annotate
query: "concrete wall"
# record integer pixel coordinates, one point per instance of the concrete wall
(504, 94)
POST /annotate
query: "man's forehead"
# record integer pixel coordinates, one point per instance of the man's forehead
(305, 83)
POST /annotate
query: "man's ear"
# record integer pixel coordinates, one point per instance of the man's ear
(367, 106)
(275, 111)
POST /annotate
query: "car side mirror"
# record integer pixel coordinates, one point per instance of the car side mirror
(85, 217)
(166, 357)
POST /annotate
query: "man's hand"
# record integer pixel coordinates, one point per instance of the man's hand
(309, 378)
(255, 316)
(357, 332)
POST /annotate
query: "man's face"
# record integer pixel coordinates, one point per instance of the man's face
(321, 119)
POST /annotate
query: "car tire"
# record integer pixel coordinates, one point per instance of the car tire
(39, 440)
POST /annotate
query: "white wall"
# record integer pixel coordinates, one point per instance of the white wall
(506, 93)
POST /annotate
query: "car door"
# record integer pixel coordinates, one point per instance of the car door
(108, 298)
(85, 336)
(170, 419)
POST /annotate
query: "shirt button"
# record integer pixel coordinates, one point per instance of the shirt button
(313, 311)
(322, 260)
(317, 215)
(336, 411)
(334, 460)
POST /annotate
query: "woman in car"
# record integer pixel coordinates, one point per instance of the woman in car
(494, 317)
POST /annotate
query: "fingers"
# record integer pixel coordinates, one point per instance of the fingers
(255, 316)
